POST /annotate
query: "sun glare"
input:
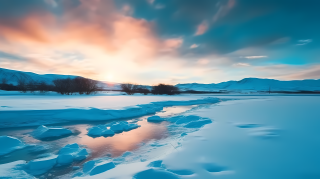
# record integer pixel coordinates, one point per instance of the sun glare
(110, 77)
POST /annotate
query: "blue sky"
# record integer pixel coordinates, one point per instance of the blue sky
(168, 41)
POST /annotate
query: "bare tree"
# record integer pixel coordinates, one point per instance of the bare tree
(43, 87)
(22, 85)
(31, 86)
(63, 86)
(143, 90)
(81, 85)
(129, 88)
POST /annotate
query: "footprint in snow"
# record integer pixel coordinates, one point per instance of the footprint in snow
(155, 174)
(259, 130)
(158, 164)
(213, 168)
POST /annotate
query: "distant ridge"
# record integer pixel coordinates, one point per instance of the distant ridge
(246, 84)
(254, 84)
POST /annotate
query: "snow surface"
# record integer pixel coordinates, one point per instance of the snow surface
(10, 144)
(229, 147)
(43, 132)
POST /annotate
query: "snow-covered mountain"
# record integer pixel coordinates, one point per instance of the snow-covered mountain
(247, 84)
(255, 84)
(12, 77)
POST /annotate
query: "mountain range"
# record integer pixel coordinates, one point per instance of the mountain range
(246, 84)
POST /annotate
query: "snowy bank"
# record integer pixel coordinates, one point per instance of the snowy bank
(10, 144)
(43, 132)
(13, 118)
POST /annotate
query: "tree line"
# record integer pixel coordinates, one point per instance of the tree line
(80, 85)
(66, 86)
(159, 89)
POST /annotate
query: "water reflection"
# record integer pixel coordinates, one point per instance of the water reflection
(125, 141)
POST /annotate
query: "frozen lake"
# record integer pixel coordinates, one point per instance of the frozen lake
(250, 137)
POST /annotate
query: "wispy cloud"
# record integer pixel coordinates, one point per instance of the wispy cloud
(253, 57)
(194, 46)
(202, 28)
(241, 65)
(304, 42)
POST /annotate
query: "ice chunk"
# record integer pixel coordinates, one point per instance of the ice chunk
(42, 165)
(198, 124)
(75, 151)
(123, 126)
(155, 119)
(43, 132)
(88, 166)
(9, 144)
(119, 127)
(102, 168)
(107, 132)
(65, 159)
(95, 131)
(100, 130)
(81, 155)
(14, 170)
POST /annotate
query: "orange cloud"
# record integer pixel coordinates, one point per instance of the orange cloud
(29, 28)
(95, 23)
(202, 28)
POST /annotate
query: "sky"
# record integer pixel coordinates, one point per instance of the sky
(162, 41)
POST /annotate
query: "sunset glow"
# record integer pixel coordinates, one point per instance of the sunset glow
(149, 42)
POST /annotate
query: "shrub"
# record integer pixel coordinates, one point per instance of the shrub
(165, 89)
